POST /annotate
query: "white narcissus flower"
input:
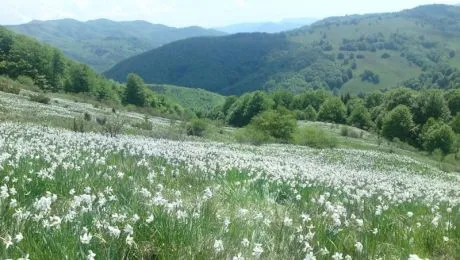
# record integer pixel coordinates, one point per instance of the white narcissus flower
(257, 251)
(245, 242)
(359, 247)
(18, 238)
(86, 238)
(238, 257)
(91, 255)
(129, 240)
(218, 246)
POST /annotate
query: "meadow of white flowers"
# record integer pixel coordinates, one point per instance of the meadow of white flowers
(66, 195)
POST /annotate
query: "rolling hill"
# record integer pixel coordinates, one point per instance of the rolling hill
(192, 99)
(359, 53)
(267, 27)
(103, 43)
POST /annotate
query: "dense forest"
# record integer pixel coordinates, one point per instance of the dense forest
(416, 48)
(27, 60)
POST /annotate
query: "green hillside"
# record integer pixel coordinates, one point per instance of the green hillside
(354, 54)
(103, 43)
(192, 99)
(45, 69)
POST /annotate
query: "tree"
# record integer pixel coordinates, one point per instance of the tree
(398, 124)
(430, 104)
(332, 110)
(310, 113)
(453, 101)
(248, 106)
(135, 93)
(360, 117)
(279, 124)
(80, 79)
(438, 135)
(455, 123)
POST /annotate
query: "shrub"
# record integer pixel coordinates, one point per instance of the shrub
(279, 124)
(349, 132)
(87, 116)
(145, 125)
(251, 135)
(386, 55)
(40, 98)
(8, 87)
(197, 127)
(113, 127)
(101, 120)
(78, 125)
(314, 137)
(25, 80)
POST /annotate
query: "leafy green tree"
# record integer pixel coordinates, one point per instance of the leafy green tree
(453, 100)
(248, 106)
(279, 124)
(360, 117)
(135, 93)
(398, 124)
(455, 123)
(399, 96)
(373, 99)
(80, 79)
(310, 113)
(430, 104)
(332, 110)
(438, 135)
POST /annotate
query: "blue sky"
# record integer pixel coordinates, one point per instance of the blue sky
(208, 13)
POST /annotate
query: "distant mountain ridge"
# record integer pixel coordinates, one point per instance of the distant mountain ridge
(102, 43)
(416, 48)
(267, 27)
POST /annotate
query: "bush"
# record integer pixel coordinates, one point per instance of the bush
(78, 125)
(197, 127)
(279, 124)
(251, 135)
(113, 127)
(25, 80)
(40, 98)
(314, 137)
(87, 116)
(101, 120)
(8, 87)
(360, 117)
(386, 56)
(349, 132)
(145, 125)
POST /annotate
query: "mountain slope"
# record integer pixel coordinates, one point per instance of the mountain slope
(192, 99)
(102, 43)
(267, 27)
(349, 54)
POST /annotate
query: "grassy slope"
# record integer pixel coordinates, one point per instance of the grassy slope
(192, 99)
(103, 43)
(290, 60)
(212, 191)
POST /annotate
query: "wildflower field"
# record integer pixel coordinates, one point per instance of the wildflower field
(67, 195)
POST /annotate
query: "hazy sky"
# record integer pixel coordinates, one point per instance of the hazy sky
(208, 13)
